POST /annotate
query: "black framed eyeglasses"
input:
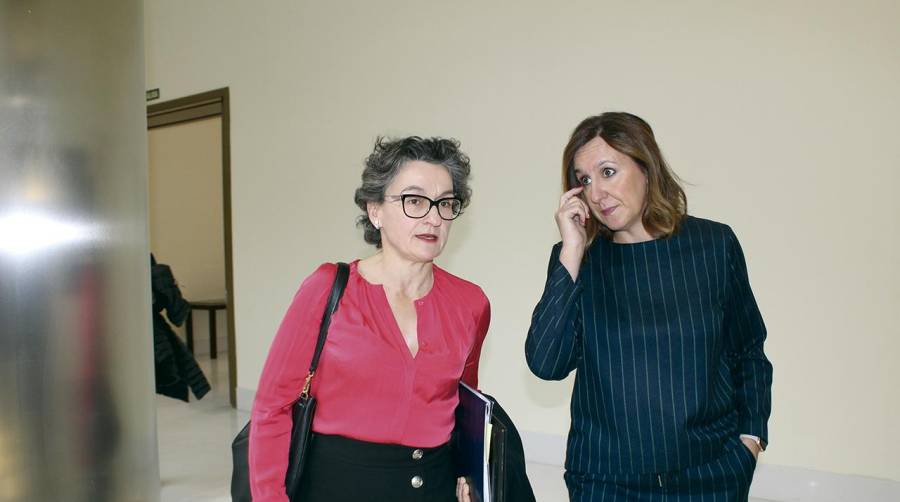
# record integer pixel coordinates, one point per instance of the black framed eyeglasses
(418, 206)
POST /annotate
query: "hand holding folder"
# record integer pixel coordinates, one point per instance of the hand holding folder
(473, 429)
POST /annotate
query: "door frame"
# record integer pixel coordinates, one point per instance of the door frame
(213, 103)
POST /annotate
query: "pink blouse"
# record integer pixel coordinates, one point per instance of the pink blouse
(368, 386)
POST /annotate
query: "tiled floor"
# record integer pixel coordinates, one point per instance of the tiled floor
(195, 446)
(195, 440)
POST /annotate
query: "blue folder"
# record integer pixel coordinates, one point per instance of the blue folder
(473, 428)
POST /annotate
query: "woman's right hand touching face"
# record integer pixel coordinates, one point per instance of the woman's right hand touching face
(571, 218)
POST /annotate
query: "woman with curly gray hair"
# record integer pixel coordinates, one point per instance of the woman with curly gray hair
(406, 333)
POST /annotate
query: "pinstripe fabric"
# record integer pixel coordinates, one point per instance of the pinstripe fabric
(667, 341)
(724, 479)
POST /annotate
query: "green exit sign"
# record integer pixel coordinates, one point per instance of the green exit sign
(152, 94)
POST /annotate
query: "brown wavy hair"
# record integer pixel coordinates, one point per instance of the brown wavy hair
(666, 203)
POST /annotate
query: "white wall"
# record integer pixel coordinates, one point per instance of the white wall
(781, 115)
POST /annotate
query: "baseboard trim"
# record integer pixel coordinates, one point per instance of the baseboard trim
(770, 482)
(544, 448)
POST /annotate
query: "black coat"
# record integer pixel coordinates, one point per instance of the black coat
(509, 479)
(176, 368)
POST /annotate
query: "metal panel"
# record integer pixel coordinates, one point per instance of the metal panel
(77, 409)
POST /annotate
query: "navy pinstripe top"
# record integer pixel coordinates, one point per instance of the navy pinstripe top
(667, 341)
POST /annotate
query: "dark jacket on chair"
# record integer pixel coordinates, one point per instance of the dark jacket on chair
(176, 368)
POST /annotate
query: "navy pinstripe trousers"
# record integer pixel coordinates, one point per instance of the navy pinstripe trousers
(724, 479)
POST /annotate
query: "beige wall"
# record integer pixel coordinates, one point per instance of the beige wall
(781, 115)
(186, 225)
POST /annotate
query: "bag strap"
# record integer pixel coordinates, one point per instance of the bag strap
(337, 291)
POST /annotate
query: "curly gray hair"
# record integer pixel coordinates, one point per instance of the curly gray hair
(389, 156)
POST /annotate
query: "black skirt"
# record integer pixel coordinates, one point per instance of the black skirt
(340, 469)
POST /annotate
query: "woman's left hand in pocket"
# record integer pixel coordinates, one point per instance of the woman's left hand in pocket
(750, 445)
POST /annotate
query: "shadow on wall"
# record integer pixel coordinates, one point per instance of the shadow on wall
(546, 394)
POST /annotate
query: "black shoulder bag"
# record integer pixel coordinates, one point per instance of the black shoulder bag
(302, 413)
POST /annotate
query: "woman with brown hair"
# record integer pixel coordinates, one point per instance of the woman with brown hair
(654, 310)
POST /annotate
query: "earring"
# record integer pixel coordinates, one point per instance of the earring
(377, 226)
